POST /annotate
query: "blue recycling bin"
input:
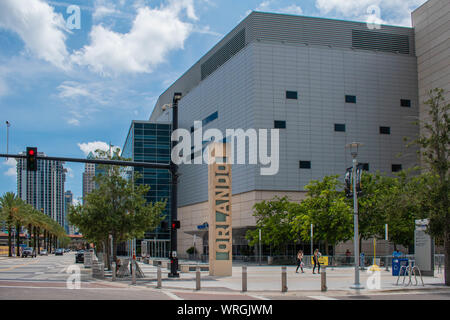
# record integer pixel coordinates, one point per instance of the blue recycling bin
(397, 263)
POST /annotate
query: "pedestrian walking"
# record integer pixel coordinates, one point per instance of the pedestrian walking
(316, 261)
(299, 261)
(348, 255)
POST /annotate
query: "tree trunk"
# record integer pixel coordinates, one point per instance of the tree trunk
(39, 240)
(107, 255)
(447, 258)
(30, 229)
(18, 240)
(114, 249)
(34, 238)
(326, 248)
(9, 241)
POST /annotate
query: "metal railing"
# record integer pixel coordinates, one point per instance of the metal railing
(409, 270)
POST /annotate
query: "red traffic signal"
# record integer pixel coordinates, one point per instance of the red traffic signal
(175, 224)
(31, 159)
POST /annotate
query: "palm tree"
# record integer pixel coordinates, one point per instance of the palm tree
(10, 205)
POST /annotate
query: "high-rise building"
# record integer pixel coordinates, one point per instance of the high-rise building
(150, 142)
(323, 83)
(68, 201)
(43, 188)
(88, 175)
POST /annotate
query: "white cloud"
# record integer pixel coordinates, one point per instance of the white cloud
(42, 30)
(393, 12)
(73, 121)
(12, 170)
(69, 172)
(95, 145)
(154, 33)
(275, 7)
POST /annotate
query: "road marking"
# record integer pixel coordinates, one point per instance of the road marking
(172, 295)
(20, 265)
(322, 298)
(257, 297)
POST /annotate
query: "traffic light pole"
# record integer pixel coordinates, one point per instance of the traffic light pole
(173, 203)
(94, 161)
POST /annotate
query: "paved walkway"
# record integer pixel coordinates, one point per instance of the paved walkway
(267, 279)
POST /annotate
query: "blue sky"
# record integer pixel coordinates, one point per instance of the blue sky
(69, 91)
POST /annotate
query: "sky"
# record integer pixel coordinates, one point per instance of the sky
(75, 73)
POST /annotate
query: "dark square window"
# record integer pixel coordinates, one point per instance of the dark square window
(292, 95)
(305, 164)
(385, 130)
(279, 124)
(396, 167)
(350, 99)
(405, 103)
(340, 127)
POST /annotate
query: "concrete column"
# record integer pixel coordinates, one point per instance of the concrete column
(158, 274)
(113, 268)
(197, 278)
(133, 271)
(284, 287)
(323, 279)
(244, 278)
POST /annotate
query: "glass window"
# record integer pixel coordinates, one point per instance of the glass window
(305, 164)
(405, 103)
(385, 130)
(396, 167)
(340, 127)
(279, 124)
(350, 99)
(292, 95)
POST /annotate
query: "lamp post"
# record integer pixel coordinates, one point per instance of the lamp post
(8, 124)
(354, 152)
(173, 203)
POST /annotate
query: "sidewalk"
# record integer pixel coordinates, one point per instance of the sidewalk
(267, 280)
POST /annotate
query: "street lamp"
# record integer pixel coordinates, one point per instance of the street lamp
(8, 124)
(354, 146)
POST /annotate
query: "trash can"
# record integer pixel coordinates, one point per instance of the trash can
(397, 263)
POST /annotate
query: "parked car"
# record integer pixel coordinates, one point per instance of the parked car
(43, 252)
(66, 250)
(59, 252)
(79, 256)
(28, 252)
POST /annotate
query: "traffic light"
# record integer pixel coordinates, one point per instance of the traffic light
(31, 159)
(175, 224)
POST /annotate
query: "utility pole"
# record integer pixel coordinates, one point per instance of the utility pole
(354, 152)
(174, 203)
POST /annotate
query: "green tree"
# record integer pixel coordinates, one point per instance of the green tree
(273, 218)
(434, 143)
(117, 207)
(10, 205)
(325, 207)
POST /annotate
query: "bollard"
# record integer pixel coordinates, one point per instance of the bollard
(197, 278)
(284, 287)
(133, 271)
(323, 279)
(113, 267)
(244, 278)
(158, 273)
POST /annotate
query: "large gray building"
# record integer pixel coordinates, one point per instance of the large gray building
(324, 83)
